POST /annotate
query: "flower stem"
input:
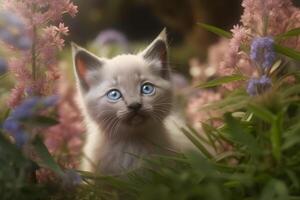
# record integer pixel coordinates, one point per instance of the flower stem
(33, 54)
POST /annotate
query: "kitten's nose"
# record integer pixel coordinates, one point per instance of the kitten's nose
(134, 106)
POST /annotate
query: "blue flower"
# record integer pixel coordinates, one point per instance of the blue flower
(258, 86)
(50, 101)
(11, 125)
(71, 178)
(29, 108)
(21, 137)
(23, 42)
(12, 31)
(262, 52)
(3, 66)
(26, 109)
(14, 127)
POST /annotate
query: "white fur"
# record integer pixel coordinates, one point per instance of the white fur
(121, 149)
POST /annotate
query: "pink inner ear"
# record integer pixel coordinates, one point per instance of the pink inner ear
(81, 68)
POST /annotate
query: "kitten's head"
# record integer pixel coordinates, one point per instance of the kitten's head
(126, 92)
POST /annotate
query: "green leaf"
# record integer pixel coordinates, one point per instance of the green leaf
(230, 103)
(221, 81)
(276, 137)
(291, 142)
(46, 158)
(216, 30)
(287, 51)
(276, 190)
(290, 33)
(201, 164)
(196, 142)
(240, 134)
(262, 112)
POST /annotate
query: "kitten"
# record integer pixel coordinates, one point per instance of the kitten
(125, 101)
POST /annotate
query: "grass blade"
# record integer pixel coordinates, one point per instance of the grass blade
(290, 33)
(196, 142)
(221, 81)
(287, 51)
(216, 30)
(45, 156)
(262, 113)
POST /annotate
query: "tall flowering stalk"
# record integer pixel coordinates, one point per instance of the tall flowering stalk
(261, 22)
(249, 52)
(35, 69)
(35, 35)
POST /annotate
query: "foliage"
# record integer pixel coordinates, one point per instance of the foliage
(263, 162)
(251, 153)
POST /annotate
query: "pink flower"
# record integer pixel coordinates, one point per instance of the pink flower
(62, 29)
(281, 15)
(16, 96)
(71, 8)
(240, 35)
(45, 15)
(195, 112)
(66, 137)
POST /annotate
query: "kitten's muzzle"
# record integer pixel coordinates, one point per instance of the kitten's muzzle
(135, 106)
(135, 115)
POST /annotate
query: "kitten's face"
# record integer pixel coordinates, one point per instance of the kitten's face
(127, 92)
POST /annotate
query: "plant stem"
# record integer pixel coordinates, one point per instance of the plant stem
(33, 54)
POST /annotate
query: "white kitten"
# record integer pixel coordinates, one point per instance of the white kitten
(125, 101)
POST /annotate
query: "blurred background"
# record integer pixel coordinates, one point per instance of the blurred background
(132, 24)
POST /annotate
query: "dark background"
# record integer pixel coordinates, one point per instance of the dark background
(142, 20)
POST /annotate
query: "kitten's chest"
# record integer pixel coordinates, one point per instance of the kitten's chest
(123, 156)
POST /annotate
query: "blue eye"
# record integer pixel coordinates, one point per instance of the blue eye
(148, 89)
(114, 95)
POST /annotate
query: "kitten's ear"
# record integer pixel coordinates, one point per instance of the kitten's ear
(84, 63)
(158, 51)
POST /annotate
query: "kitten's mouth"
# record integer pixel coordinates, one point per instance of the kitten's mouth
(135, 119)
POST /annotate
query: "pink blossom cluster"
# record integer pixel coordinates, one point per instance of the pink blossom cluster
(195, 112)
(36, 69)
(270, 17)
(36, 74)
(64, 140)
(261, 18)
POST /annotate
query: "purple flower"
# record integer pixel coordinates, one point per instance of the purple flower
(71, 178)
(262, 51)
(3, 66)
(29, 108)
(258, 86)
(14, 127)
(11, 125)
(12, 31)
(26, 109)
(23, 42)
(50, 101)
